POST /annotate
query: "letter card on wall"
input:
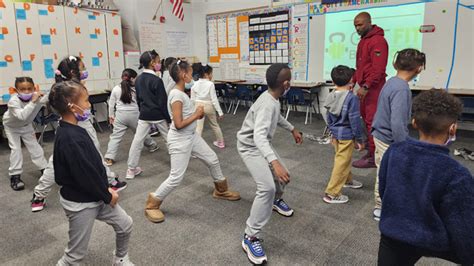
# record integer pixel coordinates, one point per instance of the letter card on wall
(9, 52)
(29, 39)
(115, 45)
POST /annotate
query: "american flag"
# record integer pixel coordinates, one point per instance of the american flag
(178, 8)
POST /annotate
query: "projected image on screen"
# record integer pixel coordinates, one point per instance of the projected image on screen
(400, 23)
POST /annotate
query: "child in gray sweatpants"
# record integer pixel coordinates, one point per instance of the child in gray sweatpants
(183, 141)
(264, 164)
(85, 193)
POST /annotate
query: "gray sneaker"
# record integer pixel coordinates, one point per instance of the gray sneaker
(335, 199)
(153, 148)
(353, 184)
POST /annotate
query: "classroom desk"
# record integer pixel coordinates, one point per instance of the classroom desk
(3, 106)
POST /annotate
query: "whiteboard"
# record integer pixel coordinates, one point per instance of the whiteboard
(30, 41)
(53, 31)
(9, 54)
(115, 45)
(437, 46)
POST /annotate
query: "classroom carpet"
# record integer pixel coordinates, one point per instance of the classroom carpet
(200, 229)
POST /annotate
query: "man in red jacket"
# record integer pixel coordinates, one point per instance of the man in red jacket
(371, 61)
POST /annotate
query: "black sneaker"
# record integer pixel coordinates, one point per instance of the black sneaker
(16, 183)
(118, 185)
(37, 204)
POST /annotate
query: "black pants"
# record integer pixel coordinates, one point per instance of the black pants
(396, 253)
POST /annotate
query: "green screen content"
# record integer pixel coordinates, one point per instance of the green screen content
(400, 23)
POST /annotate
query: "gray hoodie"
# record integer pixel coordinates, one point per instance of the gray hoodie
(335, 101)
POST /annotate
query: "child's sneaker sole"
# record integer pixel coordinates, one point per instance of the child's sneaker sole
(282, 212)
(154, 149)
(134, 175)
(332, 201)
(38, 208)
(252, 259)
(119, 189)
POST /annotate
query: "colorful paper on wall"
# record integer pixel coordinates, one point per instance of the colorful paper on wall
(27, 65)
(48, 68)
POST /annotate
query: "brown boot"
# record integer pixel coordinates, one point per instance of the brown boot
(152, 209)
(221, 191)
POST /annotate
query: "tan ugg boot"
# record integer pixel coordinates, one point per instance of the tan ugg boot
(152, 209)
(221, 191)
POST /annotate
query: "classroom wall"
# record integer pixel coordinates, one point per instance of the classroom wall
(134, 11)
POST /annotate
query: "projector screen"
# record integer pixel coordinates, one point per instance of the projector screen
(400, 23)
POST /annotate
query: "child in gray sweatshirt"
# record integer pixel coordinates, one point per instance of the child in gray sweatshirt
(264, 164)
(394, 110)
(17, 121)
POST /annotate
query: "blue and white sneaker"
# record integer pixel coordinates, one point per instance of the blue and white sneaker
(253, 247)
(280, 206)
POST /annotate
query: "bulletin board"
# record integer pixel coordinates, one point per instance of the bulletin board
(269, 38)
(224, 38)
(228, 33)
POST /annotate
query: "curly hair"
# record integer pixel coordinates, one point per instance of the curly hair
(409, 60)
(435, 111)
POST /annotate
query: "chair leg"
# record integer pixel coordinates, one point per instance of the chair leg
(287, 113)
(236, 106)
(306, 118)
(231, 104)
(40, 139)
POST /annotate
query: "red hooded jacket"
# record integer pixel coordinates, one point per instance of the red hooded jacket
(371, 62)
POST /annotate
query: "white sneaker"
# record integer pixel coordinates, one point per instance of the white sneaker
(132, 172)
(353, 184)
(338, 199)
(125, 261)
(377, 213)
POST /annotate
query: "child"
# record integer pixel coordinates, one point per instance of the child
(184, 142)
(262, 161)
(203, 93)
(151, 99)
(70, 68)
(427, 197)
(123, 114)
(85, 194)
(167, 80)
(17, 121)
(394, 109)
(343, 118)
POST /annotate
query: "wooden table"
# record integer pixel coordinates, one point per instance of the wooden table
(454, 91)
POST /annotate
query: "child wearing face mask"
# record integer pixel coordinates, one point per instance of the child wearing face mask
(151, 100)
(17, 121)
(427, 196)
(85, 194)
(391, 120)
(71, 68)
(123, 114)
(183, 142)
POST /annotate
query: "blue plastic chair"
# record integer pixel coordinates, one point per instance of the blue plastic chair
(243, 93)
(43, 120)
(296, 97)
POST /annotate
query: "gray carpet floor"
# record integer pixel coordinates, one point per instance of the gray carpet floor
(202, 230)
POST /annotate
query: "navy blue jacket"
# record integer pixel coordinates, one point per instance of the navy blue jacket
(427, 198)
